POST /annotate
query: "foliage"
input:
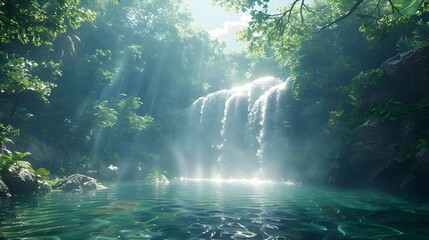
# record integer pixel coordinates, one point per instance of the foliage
(410, 153)
(421, 34)
(156, 177)
(56, 183)
(133, 52)
(346, 120)
(403, 44)
(18, 77)
(299, 20)
(21, 164)
(6, 132)
(326, 47)
(104, 116)
(39, 22)
(96, 76)
(394, 110)
(363, 83)
(419, 38)
(8, 158)
(120, 114)
(43, 173)
(31, 34)
(24, 26)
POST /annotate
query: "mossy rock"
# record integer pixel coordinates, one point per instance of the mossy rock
(21, 179)
(78, 183)
(156, 177)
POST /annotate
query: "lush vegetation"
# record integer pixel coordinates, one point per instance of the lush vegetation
(89, 84)
(334, 50)
(96, 83)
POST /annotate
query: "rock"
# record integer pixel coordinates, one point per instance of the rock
(79, 183)
(420, 180)
(391, 152)
(370, 153)
(157, 178)
(4, 190)
(408, 74)
(20, 180)
(406, 79)
(43, 187)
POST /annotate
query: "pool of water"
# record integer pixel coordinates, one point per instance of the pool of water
(214, 210)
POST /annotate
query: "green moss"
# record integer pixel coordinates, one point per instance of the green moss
(409, 153)
(156, 177)
(55, 183)
(43, 173)
(394, 110)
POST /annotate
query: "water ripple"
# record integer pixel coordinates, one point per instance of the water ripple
(185, 211)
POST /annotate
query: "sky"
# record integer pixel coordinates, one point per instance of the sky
(222, 24)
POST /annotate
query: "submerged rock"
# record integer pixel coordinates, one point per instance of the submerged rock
(79, 183)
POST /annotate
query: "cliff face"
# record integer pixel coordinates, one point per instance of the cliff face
(391, 150)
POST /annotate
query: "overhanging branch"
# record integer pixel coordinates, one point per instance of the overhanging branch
(352, 10)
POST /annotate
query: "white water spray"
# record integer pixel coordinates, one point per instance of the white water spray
(233, 127)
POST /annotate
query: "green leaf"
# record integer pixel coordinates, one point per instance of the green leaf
(408, 7)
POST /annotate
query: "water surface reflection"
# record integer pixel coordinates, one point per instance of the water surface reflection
(214, 210)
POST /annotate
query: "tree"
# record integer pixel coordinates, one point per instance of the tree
(39, 22)
(27, 32)
(25, 28)
(298, 20)
(133, 52)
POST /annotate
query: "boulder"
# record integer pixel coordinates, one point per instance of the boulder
(408, 74)
(406, 79)
(4, 190)
(20, 180)
(370, 153)
(156, 177)
(78, 183)
(387, 152)
(43, 187)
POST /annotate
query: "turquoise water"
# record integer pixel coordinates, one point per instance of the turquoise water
(213, 210)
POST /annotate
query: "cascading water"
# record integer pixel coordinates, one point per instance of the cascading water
(238, 132)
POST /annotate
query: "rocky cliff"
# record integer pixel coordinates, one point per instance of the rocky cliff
(389, 147)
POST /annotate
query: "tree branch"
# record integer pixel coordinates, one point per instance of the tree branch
(393, 7)
(15, 106)
(291, 9)
(300, 11)
(352, 10)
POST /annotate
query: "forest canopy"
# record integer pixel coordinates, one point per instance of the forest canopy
(87, 84)
(300, 19)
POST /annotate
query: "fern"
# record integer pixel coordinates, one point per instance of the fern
(10, 158)
(403, 45)
(421, 34)
(6, 132)
(7, 160)
(43, 173)
(24, 164)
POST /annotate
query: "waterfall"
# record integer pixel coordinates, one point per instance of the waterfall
(233, 133)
